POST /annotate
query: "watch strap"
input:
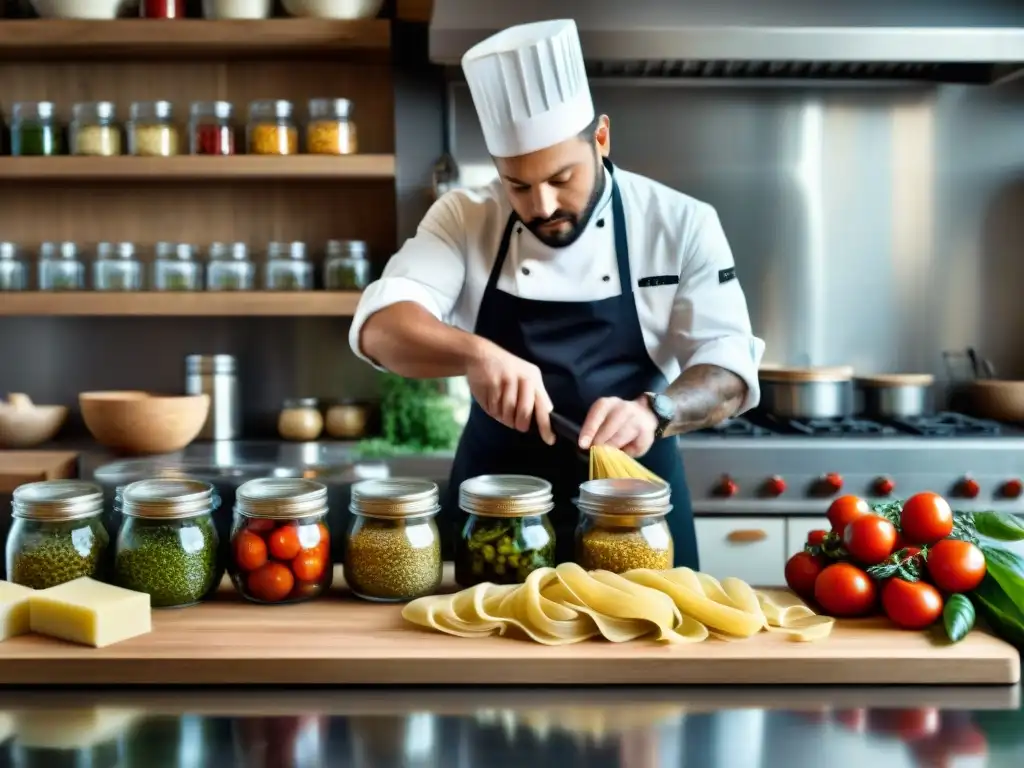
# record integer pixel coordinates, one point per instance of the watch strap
(663, 420)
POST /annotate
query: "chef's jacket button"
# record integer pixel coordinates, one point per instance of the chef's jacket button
(607, 278)
(600, 222)
(519, 230)
(526, 270)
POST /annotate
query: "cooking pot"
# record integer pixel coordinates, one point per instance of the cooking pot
(807, 393)
(895, 396)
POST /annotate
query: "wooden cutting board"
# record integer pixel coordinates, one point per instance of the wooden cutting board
(20, 467)
(340, 640)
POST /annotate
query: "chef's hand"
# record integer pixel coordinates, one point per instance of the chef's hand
(510, 390)
(626, 424)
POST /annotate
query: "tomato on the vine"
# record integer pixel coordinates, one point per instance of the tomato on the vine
(911, 604)
(843, 589)
(926, 518)
(845, 510)
(817, 538)
(956, 566)
(870, 539)
(802, 571)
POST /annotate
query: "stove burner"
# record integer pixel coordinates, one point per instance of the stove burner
(832, 427)
(738, 427)
(948, 424)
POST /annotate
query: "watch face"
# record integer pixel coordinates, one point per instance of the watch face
(663, 407)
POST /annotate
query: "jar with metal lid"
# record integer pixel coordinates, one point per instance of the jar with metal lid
(287, 267)
(94, 130)
(331, 130)
(57, 533)
(175, 268)
(116, 268)
(151, 129)
(393, 548)
(507, 534)
(217, 377)
(271, 129)
(280, 540)
(60, 268)
(229, 268)
(300, 419)
(167, 544)
(13, 268)
(346, 267)
(35, 130)
(210, 131)
(346, 419)
(622, 525)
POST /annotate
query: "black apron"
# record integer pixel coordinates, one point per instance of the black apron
(585, 350)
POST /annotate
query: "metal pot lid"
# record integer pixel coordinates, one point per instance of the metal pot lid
(897, 380)
(825, 374)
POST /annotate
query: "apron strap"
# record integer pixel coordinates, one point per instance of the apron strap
(499, 260)
(621, 236)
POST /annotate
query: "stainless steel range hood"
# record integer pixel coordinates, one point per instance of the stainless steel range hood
(948, 41)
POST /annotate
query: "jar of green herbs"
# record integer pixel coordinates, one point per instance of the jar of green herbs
(35, 130)
(57, 533)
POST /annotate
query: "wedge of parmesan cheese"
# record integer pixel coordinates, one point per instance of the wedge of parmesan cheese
(90, 612)
(14, 611)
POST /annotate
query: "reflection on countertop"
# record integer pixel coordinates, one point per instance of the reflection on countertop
(462, 728)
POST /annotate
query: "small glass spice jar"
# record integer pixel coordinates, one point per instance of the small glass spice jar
(346, 267)
(507, 534)
(35, 130)
(393, 548)
(210, 131)
(176, 269)
(162, 9)
(346, 419)
(331, 130)
(622, 525)
(271, 129)
(116, 268)
(287, 268)
(167, 543)
(229, 268)
(94, 130)
(300, 419)
(60, 268)
(151, 129)
(13, 268)
(57, 533)
(280, 541)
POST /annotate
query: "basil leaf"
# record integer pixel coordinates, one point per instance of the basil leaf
(958, 618)
(999, 526)
(1007, 569)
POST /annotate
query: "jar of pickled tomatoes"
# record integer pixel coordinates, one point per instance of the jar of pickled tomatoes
(280, 541)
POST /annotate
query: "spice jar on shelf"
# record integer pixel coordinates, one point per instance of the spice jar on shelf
(300, 419)
(60, 268)
(57, 533)
(162, 9)
(393, 549)
(94, 129)
(346, 419)
(167, 544)
(13, 269)
(176, 269)
(35, 130)
(210, 131)
(151, 129)
(331, 130)
(287, 268)
(622, 525)
(280, 541)
(346, 267)
(271, 129)
(229, 268)
(116, 268)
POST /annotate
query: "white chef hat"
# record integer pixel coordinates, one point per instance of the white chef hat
(529, 86)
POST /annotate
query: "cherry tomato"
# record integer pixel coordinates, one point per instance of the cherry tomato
(802, 571)
(324, 547)
(817, 538)
(845, 510)
(308, 566)
(911, 604)
(909, 552)
(284, 542)
(250, 551)
(271, 583)
(870, 539)
(843, 589)
(260, 525)
(956, 566)
(855, 720)
(907, 724)
(926, 518)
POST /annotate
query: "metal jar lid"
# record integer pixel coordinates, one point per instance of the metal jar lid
(625, 496)
(283, 498)
(395, 498)
(167, 499)
(506, 496)
(209, 365)
(57, 500)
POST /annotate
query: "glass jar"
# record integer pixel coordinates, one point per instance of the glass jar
(346, 267)
(287, 268)
(57, 533)
(175, 268)
(167, 544)
(393, 548)
(271, 129)
(13, 268)
(507, 534)
(151, 129)
(35, 130)
(229, 268)
(331, 130)
(60, 268)
(346, 420)
(210, 131)
(162, 9)
(280, 541)
(94, 129)
(622, 525)
(116, 268)
(300, 419)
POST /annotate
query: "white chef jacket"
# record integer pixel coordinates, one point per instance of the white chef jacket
(702, 319)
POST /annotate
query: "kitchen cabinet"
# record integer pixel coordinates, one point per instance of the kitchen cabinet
(749, 548)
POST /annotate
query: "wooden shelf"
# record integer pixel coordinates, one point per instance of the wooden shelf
(187, 39)
(196, 167)
(199, 304)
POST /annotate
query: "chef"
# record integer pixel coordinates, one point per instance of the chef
(566, 285)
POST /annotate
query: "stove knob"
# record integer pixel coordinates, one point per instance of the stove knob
(884, 486)
(1012, 489)
(832, 482)
(775, 486)
(969, 488)
(727, 486)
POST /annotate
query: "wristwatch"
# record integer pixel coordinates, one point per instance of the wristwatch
(662, 407)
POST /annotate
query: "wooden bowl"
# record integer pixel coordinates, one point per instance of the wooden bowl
(26, 425)
(996, 399)
(140, 422)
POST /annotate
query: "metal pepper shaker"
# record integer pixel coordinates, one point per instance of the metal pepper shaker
(216, 376)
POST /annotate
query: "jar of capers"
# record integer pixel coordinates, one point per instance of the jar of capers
(622, 525)
(57, 534)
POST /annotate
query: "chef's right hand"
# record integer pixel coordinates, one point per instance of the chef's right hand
(510, 389)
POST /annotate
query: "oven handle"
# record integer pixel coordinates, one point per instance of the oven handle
(747, 536)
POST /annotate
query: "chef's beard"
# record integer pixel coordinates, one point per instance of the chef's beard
(578, 221)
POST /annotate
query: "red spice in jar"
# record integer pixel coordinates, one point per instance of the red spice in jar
(162, 9)
(213, 139)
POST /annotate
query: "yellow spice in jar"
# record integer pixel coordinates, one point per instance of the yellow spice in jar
(154, 140)
(331, 137)
(623, 549)
(97, 140)
(393, 561)
(273, 139)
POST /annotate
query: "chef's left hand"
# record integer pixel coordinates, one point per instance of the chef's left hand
(626, 424)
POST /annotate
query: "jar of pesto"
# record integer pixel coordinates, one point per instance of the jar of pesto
(57, 534)
(167, 544)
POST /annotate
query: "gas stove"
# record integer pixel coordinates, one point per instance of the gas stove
(945, 424)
